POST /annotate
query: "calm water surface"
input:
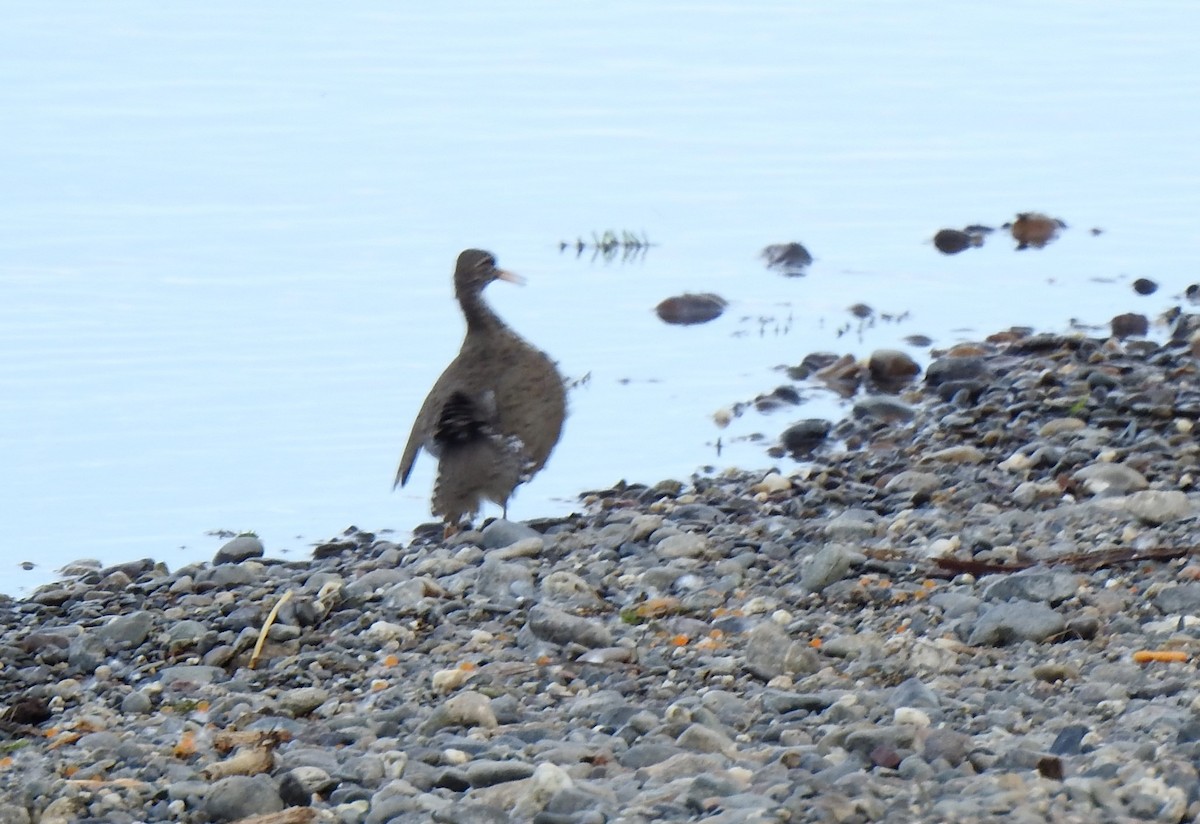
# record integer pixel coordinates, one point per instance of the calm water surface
(227, 234)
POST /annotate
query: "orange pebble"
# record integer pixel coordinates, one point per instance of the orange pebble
(679, 640)
(1165, 656)
(186, 747)
(815, 643)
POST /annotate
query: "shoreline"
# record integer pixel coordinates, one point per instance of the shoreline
(959, 616)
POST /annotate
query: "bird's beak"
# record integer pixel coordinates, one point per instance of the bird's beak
(510, 277)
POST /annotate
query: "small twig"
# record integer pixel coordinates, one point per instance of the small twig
(262, 635)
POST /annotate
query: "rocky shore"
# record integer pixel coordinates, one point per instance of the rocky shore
(975, 600)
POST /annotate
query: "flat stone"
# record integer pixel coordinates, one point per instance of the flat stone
(501, 533)
(302, 700)
(683, 545)
(127, 630)
(488, 772)
(1110, 479)
(558, 627)
(1016, 621)
(1156, 507)
(1032, 585)
(241, 796)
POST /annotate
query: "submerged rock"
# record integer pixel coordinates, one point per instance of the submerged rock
(1034, 229)
(953, 241)
(789, 258)
(689, 309)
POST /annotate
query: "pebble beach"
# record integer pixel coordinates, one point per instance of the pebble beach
(974, 599)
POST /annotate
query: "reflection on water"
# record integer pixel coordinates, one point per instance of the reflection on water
(227, 237)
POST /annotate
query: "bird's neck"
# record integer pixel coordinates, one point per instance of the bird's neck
(480, 317)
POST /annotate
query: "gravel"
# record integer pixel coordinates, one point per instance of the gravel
(984, 608)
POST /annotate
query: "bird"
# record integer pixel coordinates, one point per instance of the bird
(495, 414)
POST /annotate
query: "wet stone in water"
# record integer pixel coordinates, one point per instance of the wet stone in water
(690, 309)
(788, 258)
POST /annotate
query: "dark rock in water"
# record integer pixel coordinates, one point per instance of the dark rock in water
(861, 311)
(944, 370)
(842, 376)
(891, 366)
(919, 340)
(1035, 229)
(1192, 293)
(790, 258)
(812, 363)
(782, 396)
(1129, 325)
(883, 408)
(953, 241)
(688, 309)
(1145, 286)
(805, 436)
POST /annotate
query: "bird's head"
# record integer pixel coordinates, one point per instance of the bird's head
(476, 269)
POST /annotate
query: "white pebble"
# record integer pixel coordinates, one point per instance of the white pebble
(911, 716)
(455, 757)
(448, 680)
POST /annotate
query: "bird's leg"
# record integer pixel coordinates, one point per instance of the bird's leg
(451, 530)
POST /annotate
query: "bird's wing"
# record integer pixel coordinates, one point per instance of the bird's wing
(421, 431)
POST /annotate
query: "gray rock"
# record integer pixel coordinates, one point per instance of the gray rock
(866, 738)
(465, 709)
(947, 744)
(501, 533)
(912, 480)
(239, 796)
(1181, 598)
(136, 703)
(682, 545)
(302, 700)
(568, 588)
(183, 634)
(883, 408)
(488, 772)
(1156, 506)
(914, 693)
(700, 738)
(12, 814)
(1033, 585)
(86, 652)
(470, 812)
(192, 674)
(127, 630)
(647, 753)
(852, 525)
(558, 627)
(954, 369)
(239, 549)
(504, 581)
(831, 563)
(1016, 621)
(372, 582)
(231, 574)
(770, 652)
(1110, 479)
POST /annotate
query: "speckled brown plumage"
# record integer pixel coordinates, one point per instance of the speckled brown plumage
(495, 414)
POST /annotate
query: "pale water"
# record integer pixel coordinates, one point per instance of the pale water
(227, 234)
